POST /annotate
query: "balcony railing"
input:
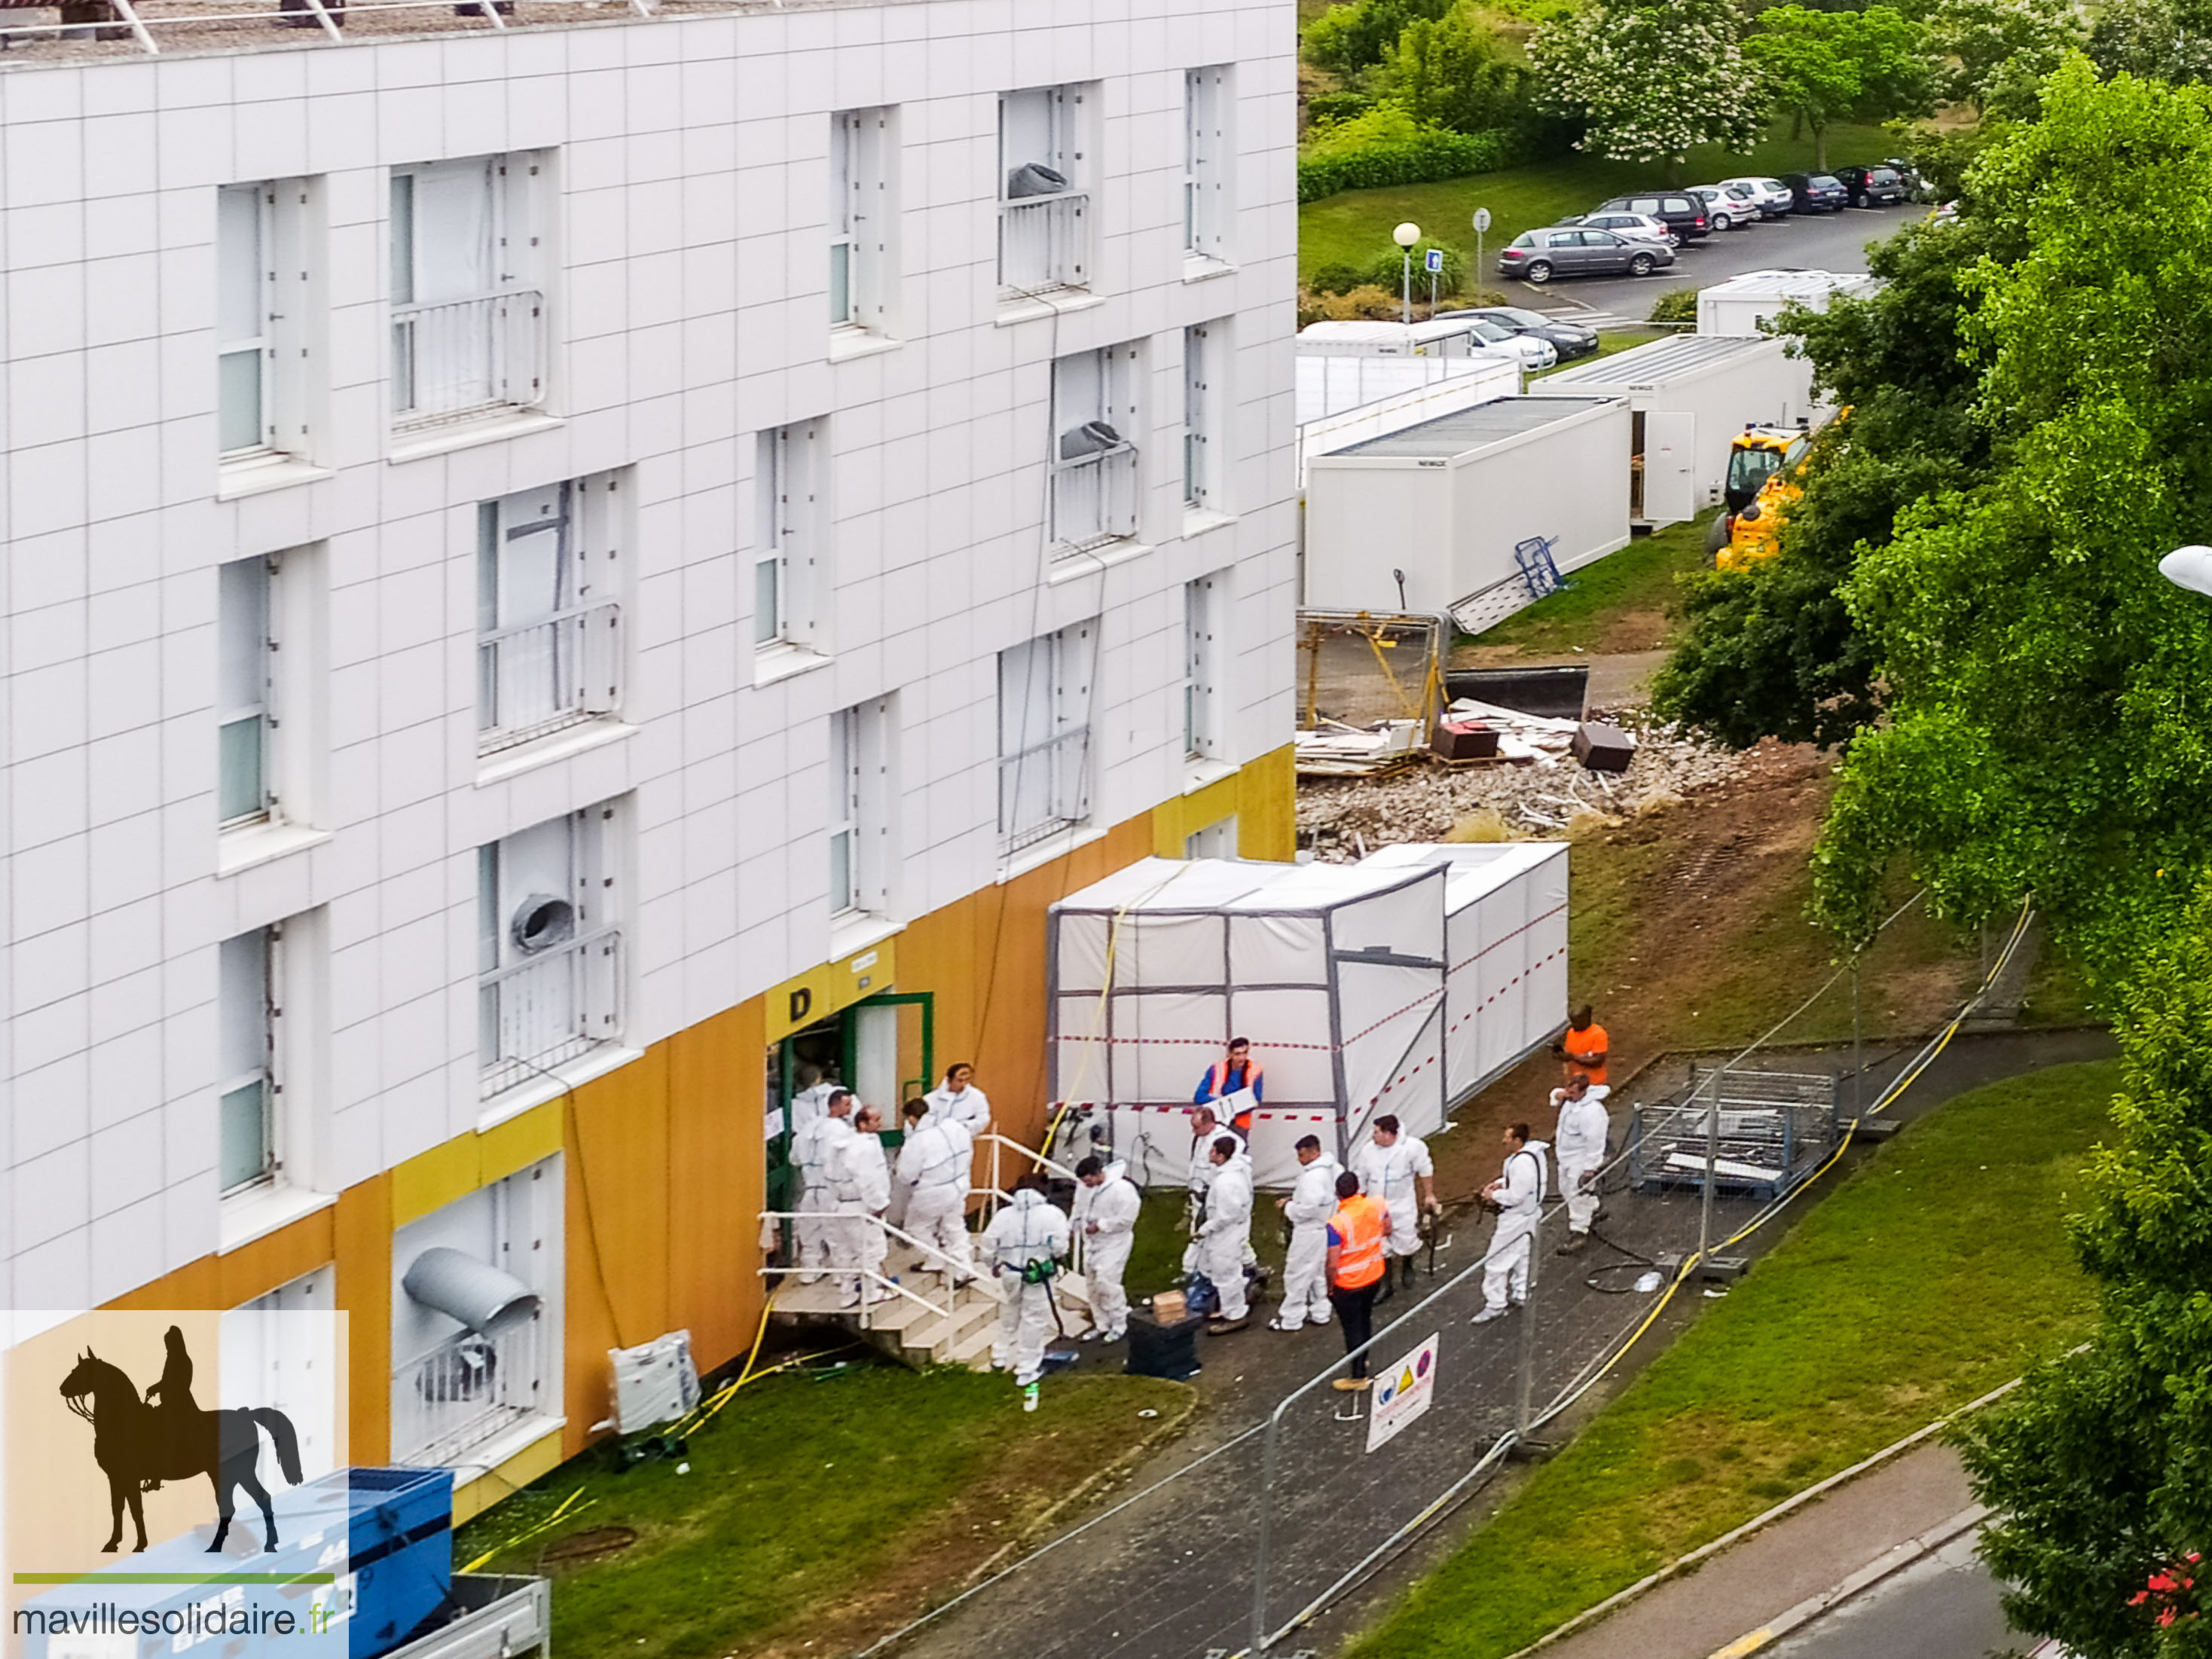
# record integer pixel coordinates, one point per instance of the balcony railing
(466, 1390)
(535, 1014)
(461, 358)
(542, 676)
(1043, 241)
(1094, 500)
(1044, 790)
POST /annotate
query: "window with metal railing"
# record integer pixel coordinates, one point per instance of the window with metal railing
(1044, 735)
(467, 1390)
(1095, 474)
(550, 969)
(1045, 171)
(468, 308)
(549, 613)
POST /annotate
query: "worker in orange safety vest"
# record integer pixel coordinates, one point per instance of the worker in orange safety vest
(1356, 1235)
(1225, 1077)
(1583, 1047)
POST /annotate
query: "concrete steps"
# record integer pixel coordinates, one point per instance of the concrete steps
(919, 1335)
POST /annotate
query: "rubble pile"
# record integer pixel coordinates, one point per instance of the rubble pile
(1344, 819)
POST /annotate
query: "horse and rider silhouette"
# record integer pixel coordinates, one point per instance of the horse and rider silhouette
(139, 1444)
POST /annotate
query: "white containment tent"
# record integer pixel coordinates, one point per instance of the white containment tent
(1339, 975)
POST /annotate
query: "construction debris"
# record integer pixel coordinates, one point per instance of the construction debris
(1547, 797)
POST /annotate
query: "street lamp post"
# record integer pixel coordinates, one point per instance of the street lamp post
(1406, 235)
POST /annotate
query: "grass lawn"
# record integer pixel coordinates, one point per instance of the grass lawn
(1353, 226)
(1156, 1255)
(825, 1511)
(1935, 1273)
(1618, 603)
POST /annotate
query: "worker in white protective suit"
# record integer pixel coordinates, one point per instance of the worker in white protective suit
(959, 1099)
(1105, 1220)
(1578, 1144)
(812, 1100)
(1205, 1129)
(934, 1170)
(860, 1190)
(1518, 1193)
(1394, 1167)
(1022, 1247)
(811, 1146)
(1305, 1271)
(1225, 1236)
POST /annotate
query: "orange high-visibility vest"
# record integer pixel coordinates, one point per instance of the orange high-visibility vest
(1217, 1086)
(1587, 1051)
(1359, 1222)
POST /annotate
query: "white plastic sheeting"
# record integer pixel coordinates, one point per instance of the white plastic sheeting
(1341, 976)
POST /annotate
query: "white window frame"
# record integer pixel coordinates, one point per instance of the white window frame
(262, 949)
(863, 153)
(279, 316)
(790, 560)
(1045, 236)
(549, 659)
(1206, 362)
(1205, 612)
(1045, 691)
(246, 687)
(488, 333)
(543, 1005)
(860, 829)
(1209, 166)
(1096, 461)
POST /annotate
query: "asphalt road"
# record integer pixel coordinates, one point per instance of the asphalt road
(1942, 1608)
(1827, 241)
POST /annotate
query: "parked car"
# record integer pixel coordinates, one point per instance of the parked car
(1816, 193)
(1916, 188)
(1680, 211)
(1538, 256)
(1875, 187)
(1569, 340)
(1730, 207)
(1774, 197)
(1636, 226)
(1534, 352)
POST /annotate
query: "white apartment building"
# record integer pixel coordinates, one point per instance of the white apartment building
(563, 566)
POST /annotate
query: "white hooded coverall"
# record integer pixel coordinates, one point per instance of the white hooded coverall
(860, 1188)
(1202, 1171)
(1113, 1204)
(1521, 1200)
(1580, 1141)
(1030, 1229)
(1389, 1173)
(969, 1108)
(1305, 1271)
(1226, 1234)
(933, 1166)
(812, 1146)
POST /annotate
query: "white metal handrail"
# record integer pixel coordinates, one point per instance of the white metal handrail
(466, 1390)
(141, 17)
(1044, 789)
(1041, 241)
(452, 359)
(536, 1013)
(1094, 500)
(890, 1232)
(544, 676)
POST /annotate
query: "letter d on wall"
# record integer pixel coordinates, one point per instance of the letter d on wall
(802, 1000)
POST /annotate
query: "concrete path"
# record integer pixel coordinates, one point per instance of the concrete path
(1943, 1606)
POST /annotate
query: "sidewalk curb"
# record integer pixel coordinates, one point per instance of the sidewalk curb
(1893, 1561)
(1787, 1507)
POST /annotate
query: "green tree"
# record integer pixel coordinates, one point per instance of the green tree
(2046, 693)
(1650, 80)
(1350, 38)
(1451, 72)
(2003, 48)
(2158, 40)
(1773, 651)
(2097, 1465)
(1828, 66)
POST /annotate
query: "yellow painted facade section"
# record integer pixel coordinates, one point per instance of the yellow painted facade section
(664, 1169)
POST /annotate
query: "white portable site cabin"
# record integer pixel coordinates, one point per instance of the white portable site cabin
(1448, 500)
(1689, 396)
(1743, 304)
(1342, 400)
(1441, 337)
(1343, 977)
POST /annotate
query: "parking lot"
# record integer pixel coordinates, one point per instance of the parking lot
(1826, 241)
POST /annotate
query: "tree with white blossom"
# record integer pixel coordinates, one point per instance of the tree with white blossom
(1651, 80)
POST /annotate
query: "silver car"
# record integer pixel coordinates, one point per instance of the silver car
(1730, 207)
(1534, 353)
(1538, 256)
(1636, 226)
(1774, 197)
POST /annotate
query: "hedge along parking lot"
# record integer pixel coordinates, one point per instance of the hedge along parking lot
(1354, 227)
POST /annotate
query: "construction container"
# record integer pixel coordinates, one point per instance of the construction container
(1447, 501)
(1744, 304)
(1689, 396)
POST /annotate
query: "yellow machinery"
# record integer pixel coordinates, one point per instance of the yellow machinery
(1762, 480)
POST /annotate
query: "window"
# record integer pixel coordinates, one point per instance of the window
(1044, 734)
(1202, 612)
(1094, 452)
(862, 148)
(284, 1349)
(1205, 410)
(1207, 160)
(468, 335)
(1216, 840)
(1044, 175)
(549, 620)
(787, 570)
(549, 956)
(860, 809)
(263, 309)
(245, 667)
(245, 1086)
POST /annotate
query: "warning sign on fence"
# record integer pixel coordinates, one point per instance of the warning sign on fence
(1402, 1393)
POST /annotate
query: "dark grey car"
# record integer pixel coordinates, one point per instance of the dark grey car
(1540, 255)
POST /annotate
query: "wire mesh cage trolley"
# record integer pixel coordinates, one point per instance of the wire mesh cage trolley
(1774, 1128)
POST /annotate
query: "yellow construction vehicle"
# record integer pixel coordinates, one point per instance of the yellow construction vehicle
(1762, 480)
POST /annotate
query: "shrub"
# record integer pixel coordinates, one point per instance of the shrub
(1326, 107)
(1421, 158)
(1348, 39)
(1451, 72)
(1363, 304)
(1676, 305)
(1335, 279)
(1389, 272)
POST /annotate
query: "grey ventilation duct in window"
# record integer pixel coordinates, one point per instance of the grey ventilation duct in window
(1091, 438)
(542, 921)
(474, 1293)
(1034, 178)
